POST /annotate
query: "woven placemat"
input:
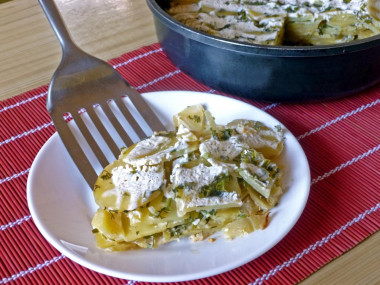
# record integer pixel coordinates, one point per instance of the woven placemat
(341, 139)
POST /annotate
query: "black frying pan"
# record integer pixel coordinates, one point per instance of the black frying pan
(268, 73)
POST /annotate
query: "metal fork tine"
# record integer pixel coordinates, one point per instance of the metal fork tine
(103, 131)
(131, 120)
(90, 140)
(116, 124)
(145, 111)
(75, 151)
(82, 80)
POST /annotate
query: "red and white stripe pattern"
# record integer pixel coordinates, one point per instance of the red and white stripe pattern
(341, 139)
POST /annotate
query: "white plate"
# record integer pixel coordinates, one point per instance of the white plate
(62, 206)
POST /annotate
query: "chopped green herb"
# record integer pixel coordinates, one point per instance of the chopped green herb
(177, 230)
(216, 188)
(250, 156)
(206, 155)
(292, 9)
(206, 214)
(180, 188)
(189, 220)
(165, 134)
(195, 118)
(105, 175)
(255, 3)
(222, 135)
(112, 212)
(243, 15)
(322, 25)
(162, 213)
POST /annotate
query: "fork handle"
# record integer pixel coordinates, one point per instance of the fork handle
(58, 25)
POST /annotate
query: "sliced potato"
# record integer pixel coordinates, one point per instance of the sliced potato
(193, 118)
(169, 186)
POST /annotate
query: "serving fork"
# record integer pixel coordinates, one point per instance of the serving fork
(85, 84)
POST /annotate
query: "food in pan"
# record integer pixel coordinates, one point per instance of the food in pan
(200, 179)
(279, 22)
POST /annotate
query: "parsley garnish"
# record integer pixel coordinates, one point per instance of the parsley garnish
(292, 9)
(249, 156)
(112, 212)
(177, 230)
(215, 189)
(242, 15)
(195, 118)
(206, 215)
(105, 175)
(222, 135)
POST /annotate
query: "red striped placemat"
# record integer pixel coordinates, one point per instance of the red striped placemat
(341, 139)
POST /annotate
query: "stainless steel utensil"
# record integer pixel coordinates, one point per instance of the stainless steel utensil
(82, 81)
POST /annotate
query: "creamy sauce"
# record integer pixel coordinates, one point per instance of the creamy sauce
(226, 198)
(225, 150)
(146, 148)
(137, 183)
(198, 176)
(265, 21)
(155, 150)
(261, 173)
(257, 139)
(230, 27)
